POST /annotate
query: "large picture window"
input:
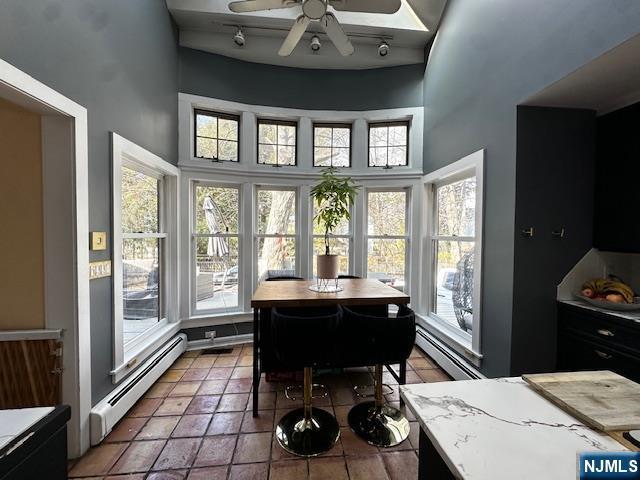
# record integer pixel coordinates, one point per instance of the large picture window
(331, 145)
(276, 228)
(389, 144)
(277, 142)
(387, 236)
(216, 247)
(216, 136)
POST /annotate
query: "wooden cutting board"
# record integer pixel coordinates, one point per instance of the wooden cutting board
(603, 399)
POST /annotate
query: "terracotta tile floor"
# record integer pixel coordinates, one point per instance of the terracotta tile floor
(195, 423)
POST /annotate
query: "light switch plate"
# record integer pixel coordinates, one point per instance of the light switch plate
(99, 269)
(98, 240)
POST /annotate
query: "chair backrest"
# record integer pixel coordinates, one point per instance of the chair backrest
(306, 337)
(369, 339)
(275, 279)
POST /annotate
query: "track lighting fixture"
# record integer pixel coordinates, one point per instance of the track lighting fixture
(315, 43)
(383, 49)
(238, 38)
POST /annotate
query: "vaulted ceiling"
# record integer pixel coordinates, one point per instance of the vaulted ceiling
(209, 25)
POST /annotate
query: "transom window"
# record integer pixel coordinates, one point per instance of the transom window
(387, 236)
(277, 142)
(216, 247)
(216, 136)
(389, 144)
(331, 145)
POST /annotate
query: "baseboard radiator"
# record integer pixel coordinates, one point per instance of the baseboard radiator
(114, 406)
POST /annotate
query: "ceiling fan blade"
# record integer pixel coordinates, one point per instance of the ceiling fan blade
(257, 5)
(366, 6)
(294, 36)
(336, 34)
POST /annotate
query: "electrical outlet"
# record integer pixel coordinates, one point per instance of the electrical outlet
(211, 334)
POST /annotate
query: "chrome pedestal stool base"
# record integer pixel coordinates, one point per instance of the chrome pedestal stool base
(307, 437)
(383, 426)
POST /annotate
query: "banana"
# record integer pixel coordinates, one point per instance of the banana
(603, 287)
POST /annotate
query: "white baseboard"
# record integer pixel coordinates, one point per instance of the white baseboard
(220, 342)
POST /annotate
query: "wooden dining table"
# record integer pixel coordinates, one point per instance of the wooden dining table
(367, 294)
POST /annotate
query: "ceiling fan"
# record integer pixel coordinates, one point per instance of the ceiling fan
(317, 10)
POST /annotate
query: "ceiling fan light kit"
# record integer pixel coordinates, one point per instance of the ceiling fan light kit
(316, 10)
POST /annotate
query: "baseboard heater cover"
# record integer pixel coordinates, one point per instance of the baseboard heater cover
(114, 406)
(446, 358)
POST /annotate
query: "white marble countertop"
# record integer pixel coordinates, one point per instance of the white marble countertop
(14, 422)
(501, 429)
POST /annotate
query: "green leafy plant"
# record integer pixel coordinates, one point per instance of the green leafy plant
(334, 196)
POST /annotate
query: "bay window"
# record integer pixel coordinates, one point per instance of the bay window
(331, 145)
(389, 144)
(277, 142)
(216, 136)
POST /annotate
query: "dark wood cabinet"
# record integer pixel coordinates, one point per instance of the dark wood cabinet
(591, 340)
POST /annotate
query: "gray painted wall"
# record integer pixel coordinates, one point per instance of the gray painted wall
(488, 57)
(226, 78)
(119, 59)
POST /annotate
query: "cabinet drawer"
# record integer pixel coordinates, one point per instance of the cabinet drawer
(602, 329)
(578, 353)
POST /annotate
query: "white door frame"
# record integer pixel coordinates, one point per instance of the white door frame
(66, 196)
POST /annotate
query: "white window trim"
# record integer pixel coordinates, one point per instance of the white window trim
(127, 153)
(471, 165)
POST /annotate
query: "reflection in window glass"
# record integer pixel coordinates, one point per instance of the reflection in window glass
(332, 145)
(388, 144)
(277, 143)
(216, 136)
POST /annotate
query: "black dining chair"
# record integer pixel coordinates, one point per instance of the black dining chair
(305, 339)
(379, 341)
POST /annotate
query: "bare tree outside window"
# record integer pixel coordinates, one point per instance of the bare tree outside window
(276, 230)
(277, 142)
(216, 136)
(331, 145)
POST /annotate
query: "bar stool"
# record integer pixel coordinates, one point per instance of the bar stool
(379, 341)
(304, 338)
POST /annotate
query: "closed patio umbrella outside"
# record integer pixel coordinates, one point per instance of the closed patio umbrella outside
(217, 245)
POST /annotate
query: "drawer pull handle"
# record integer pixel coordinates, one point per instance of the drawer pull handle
(606, 356)
(606, 333)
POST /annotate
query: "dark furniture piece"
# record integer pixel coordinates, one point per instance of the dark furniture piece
(378, 340)
(304, 338)
(592, 340)
(40, 451)
(367, 295)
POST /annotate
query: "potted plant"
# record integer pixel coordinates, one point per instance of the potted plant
(333, 197)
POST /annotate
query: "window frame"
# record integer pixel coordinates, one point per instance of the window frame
(407, 231)
(194, 235)
(218, 115)
(331, 147)
(127, 154)
(395, 123)
(470, 166)
(278, 122)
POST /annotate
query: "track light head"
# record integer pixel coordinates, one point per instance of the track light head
(238, 38)
(315, 43)
(383, 49)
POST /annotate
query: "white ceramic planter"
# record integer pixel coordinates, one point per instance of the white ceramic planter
(327, 266)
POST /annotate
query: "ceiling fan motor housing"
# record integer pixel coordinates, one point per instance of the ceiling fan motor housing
(314, 9)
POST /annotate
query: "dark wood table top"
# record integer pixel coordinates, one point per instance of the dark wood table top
(357, 291)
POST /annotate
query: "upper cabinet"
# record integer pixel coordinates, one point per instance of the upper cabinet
(617, 192)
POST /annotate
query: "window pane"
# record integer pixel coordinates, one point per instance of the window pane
(322, 136)
(206, 148)
(378, 156)
(286, 135)
(457, 208)
(340, 157)
(341, 137)
(341, 229)
(267, 154)
(276, 253)
(277, 211)
(139, 202)
(216, 209)
(378, 136)
(228, 150)
(338, 246)
(267, 134)
(228, 129)
(217, 273)
(397, 156)
(206, 126)
(385, 261)
(386, 213)
(140, 285)
(286, 155)
(322, 157)
(398, 135)
(454, 283)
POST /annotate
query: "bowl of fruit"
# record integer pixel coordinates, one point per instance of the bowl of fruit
(611, 294)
